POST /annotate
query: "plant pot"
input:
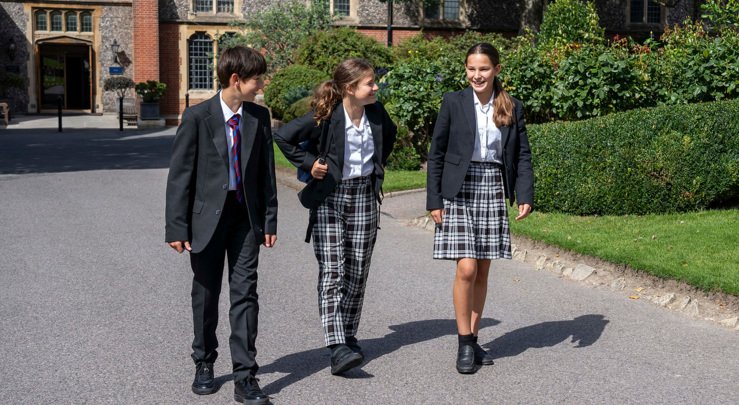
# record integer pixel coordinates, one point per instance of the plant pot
(149, 111)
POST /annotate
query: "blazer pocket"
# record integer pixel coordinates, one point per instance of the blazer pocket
(197, 206)
(452, 158)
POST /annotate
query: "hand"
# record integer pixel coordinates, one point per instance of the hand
(523, 211)
(270, 240)
(437, 215)
(318, 171)
(180, 246)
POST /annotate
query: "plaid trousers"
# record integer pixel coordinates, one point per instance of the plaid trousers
(343, 239)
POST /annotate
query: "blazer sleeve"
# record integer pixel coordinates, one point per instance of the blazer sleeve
(291, 135)
(268, 180)
(180, 180)
(435, 162)
(525, 174)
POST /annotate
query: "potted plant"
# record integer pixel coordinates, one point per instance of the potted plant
(150, 91)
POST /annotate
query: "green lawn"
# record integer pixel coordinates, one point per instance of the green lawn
(700, 248)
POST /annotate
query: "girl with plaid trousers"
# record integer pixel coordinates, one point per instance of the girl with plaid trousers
(479, 156)
(352, 136)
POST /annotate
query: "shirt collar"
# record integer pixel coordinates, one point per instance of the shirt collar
(477, 100)
(348, 121)
(227, 113)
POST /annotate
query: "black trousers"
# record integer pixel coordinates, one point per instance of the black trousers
(233, 240)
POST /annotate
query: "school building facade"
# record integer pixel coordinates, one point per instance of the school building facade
(66, 49)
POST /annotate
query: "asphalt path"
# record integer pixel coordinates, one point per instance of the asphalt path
(95, 308)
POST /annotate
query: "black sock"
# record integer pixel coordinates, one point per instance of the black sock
(466, 339)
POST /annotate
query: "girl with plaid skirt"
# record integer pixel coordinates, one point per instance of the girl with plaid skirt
(351, 136)
(479, 156)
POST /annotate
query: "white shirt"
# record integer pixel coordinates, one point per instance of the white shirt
(488, 146)
(359, 147)
(227, 114)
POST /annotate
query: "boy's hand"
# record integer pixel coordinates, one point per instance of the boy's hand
(270, 240)
(180, 246)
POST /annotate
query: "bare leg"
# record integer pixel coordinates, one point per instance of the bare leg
(480, 291)
(463, 294)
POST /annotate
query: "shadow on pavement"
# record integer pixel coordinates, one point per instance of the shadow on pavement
(45, 151)
(300, 365)
(584, 330)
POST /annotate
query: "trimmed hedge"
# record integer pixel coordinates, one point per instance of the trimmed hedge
(647, 161)
(290, 84)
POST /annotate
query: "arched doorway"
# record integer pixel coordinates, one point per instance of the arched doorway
(65, 71)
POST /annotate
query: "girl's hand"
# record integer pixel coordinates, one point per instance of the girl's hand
(437, 216)
(523, 211)
(318, 171)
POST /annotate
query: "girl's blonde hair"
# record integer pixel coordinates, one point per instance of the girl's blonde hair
(503, 103)
(347, 74)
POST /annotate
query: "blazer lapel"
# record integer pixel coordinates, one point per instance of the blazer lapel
(248, 128)
(338, 124)
(375, 124)
(217, 127)
(504, 132)
(468, 106)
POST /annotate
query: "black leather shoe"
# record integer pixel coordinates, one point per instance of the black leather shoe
(247, 392)
(204, 383)
(466, 359)
(482, 356)
(344, 359)
(352, 343)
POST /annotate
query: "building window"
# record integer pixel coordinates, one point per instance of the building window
(56, 20)
(200, 55)
(225, 6)
(443, 10)
(41, 21)
(203, 6)
(86, 20)
(341, 8)
(71, 21)
(645, 12)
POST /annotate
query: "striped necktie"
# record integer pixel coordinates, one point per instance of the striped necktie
(233, 123)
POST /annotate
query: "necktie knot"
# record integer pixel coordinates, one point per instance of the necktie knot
(233, 122)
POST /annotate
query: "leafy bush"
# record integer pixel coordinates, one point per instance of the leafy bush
(150, 91)
(404, 156)
(568, 21)
(297, 109)
(289, 83)
(280, 29)
(657, 160)
(412, 94)
(324, 50)
(723, 14)
(118, 84)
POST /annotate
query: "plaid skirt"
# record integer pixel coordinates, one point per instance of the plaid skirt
(475, 222)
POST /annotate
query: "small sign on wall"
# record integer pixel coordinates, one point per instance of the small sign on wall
(115, 70)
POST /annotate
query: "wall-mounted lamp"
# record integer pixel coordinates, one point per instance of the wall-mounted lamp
(11, 50)
(114, 47)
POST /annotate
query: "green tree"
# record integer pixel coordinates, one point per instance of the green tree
(280, 29)
(568, 21)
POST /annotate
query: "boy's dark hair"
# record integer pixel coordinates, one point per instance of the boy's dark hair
(245, 62)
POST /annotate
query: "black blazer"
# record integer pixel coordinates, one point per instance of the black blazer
(304, 128)
(453, 143)
(198, 173)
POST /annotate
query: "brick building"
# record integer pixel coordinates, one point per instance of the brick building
(66, 48)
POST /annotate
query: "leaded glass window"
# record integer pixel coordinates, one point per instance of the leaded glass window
(204, 6)
(341, 8)
(200, 55)
(56, 20)
(451, 10)
(225, 6)
(71, 21)
(86, 22)
(41, 21)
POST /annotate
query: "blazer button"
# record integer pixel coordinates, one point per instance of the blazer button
(225, 186)
(218, 212)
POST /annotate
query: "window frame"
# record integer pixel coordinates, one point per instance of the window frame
(441, 12)
(645, 14)
(200, 36)
(215, 7)
(52, 14)
(45, 14)
(74, 14)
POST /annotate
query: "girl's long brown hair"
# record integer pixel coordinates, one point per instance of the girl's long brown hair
(348, 73)
(503, 103)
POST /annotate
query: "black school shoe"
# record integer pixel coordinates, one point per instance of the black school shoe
(352, 343)
(466, 359)
(204, 383)
(482, 356)
(247, 392)
(344, 359)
